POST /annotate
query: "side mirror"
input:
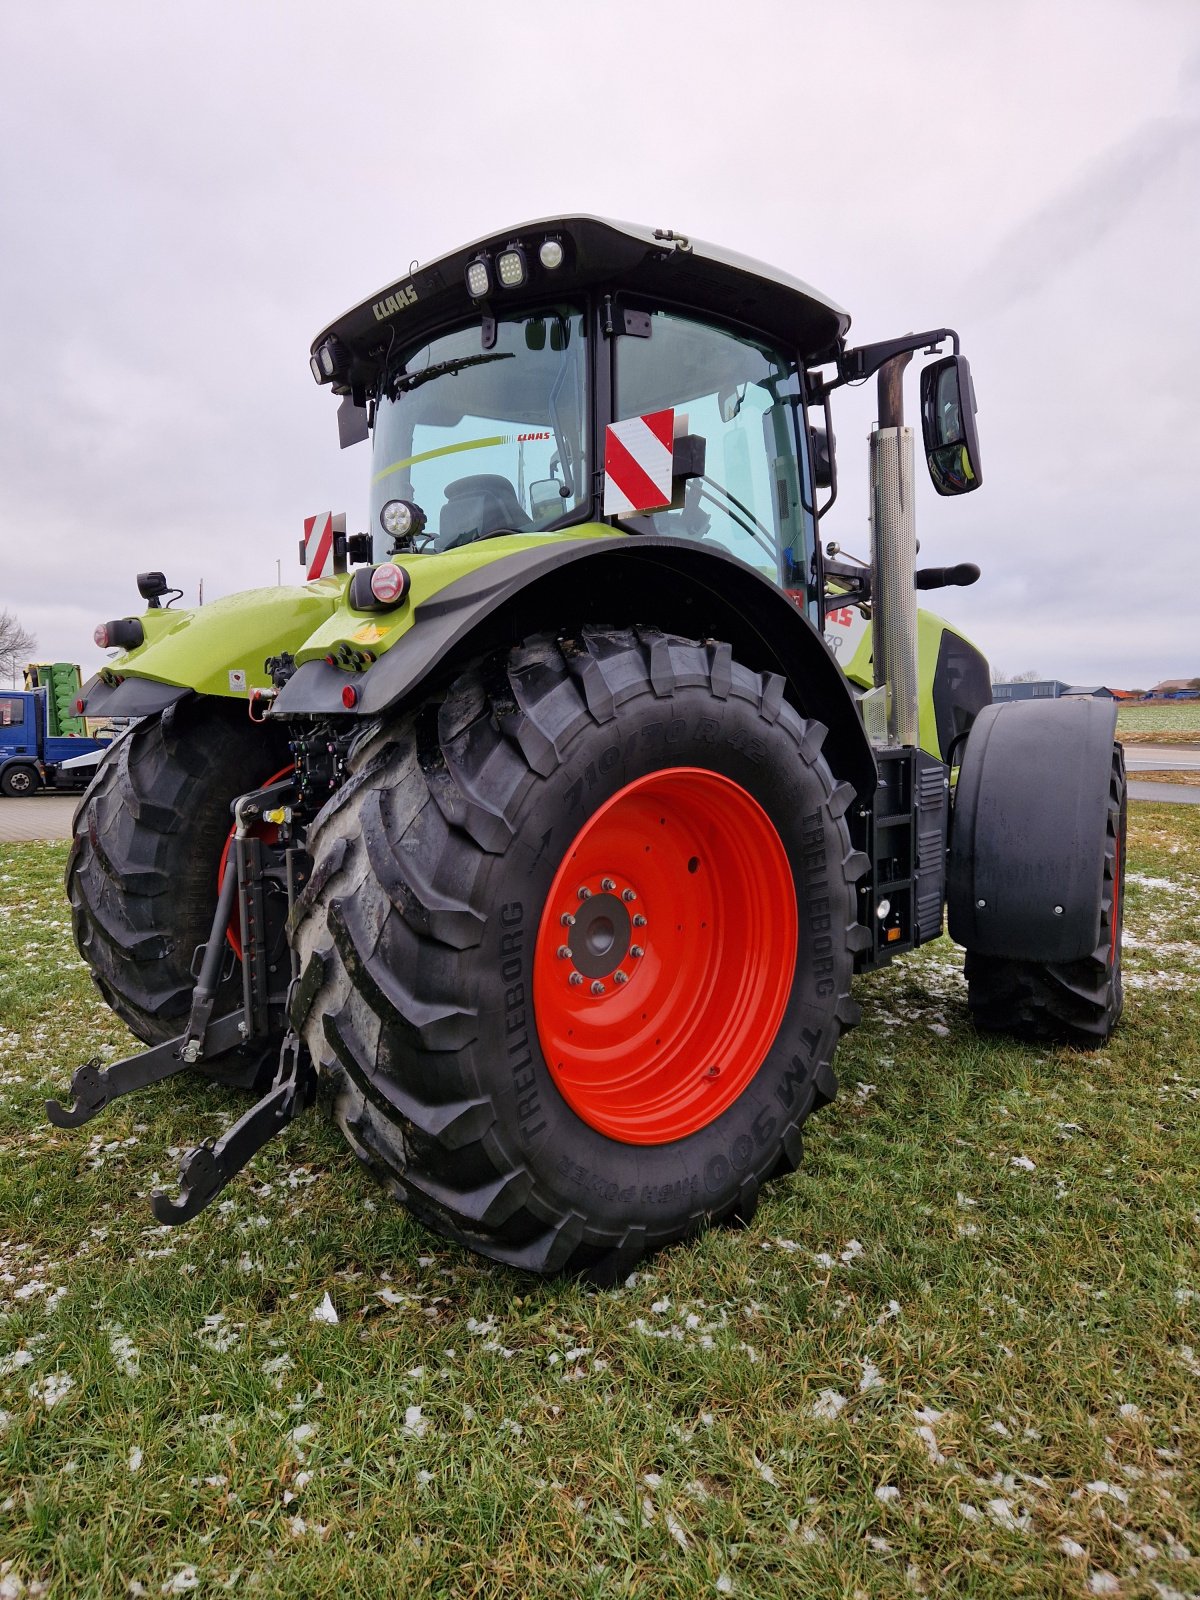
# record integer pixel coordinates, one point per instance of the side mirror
(546, 497)
(822, 454)
(948, 426)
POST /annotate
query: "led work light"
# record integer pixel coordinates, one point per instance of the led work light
(510, 267)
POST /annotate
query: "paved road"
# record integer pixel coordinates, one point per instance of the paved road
(41, 816)
(48, 816)
(1162, 757)
(1184, 794)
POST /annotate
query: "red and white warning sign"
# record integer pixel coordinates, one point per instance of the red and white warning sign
(318, 543)
(637, 463)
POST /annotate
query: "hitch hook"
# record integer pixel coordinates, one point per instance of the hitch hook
(205, 1171)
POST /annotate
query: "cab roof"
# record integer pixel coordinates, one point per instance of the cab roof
(599, 255)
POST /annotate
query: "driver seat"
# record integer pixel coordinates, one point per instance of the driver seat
(478, 506)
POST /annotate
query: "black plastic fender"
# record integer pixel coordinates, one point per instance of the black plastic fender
(675, 585)
(132, 697)
(1026, 868)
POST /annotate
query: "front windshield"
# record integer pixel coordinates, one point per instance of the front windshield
(486, 441)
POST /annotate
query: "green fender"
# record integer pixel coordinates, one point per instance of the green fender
(610, 579)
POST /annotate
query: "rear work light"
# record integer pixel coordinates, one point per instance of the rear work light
(402, 519)
(378, 588)
(330, 360)
(124, 634)
(479, 279)
(510, 267)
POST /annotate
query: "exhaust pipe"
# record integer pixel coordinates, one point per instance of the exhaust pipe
(894, 555)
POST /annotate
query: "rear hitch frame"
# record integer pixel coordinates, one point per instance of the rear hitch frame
(205, 1170)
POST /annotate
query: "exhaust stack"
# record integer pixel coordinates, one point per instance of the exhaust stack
(894, 555)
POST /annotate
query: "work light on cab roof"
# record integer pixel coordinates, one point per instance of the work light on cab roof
(555, 850)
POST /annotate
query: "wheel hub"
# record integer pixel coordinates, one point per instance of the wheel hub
(665, 955)
(599, 936)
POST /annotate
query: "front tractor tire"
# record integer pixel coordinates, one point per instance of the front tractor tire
(142, 875)
(1076, 1002)
(576, 949)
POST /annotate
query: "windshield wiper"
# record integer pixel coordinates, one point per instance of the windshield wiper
(413, 380)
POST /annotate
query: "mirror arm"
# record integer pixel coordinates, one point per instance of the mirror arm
(854, 366)
(856, 579)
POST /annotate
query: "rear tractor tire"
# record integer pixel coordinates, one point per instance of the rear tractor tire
(1078, 1002)
(143, 869)
(576, 949)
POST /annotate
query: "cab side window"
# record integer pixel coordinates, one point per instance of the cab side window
(736, 394)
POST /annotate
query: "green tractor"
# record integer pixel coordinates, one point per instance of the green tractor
(542, 835)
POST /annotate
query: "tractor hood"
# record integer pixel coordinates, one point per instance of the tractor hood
(222, 649)
(219, 649)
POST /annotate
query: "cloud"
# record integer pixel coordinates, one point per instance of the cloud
(190, 194)
(1049, 243)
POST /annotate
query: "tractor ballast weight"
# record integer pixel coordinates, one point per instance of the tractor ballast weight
(550, 837)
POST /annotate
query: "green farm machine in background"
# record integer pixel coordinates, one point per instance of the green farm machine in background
(541, 832)
(62, 682)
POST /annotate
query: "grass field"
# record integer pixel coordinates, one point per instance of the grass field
(958, 1353)
(1177, 723)
(1186, 777)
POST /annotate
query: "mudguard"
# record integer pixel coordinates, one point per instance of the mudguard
(670, 583)
(1026, 868)
(132, 697)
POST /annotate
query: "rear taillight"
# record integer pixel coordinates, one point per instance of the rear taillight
(388, 584)
(124, 634)
(378, 588)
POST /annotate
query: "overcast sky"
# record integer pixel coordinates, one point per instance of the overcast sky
(189, 192)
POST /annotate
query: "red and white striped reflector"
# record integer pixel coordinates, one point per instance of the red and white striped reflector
(637, 463)
(318, 543)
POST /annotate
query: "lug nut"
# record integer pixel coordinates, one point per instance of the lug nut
(620, 977)
(567, 920)
(607, 883)
(628, 894)
(597, 987)
(636, 950)
(585, 893)
(564, 952)
(639, 921)
(575, 979)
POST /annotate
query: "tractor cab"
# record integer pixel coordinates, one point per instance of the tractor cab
(487, 381)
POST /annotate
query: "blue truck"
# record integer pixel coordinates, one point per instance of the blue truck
(44, 742)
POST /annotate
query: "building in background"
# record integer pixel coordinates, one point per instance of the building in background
(1175, 689)
(1053, 689)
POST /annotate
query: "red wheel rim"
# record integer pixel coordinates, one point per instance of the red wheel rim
(268, 832)
(665, 956)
